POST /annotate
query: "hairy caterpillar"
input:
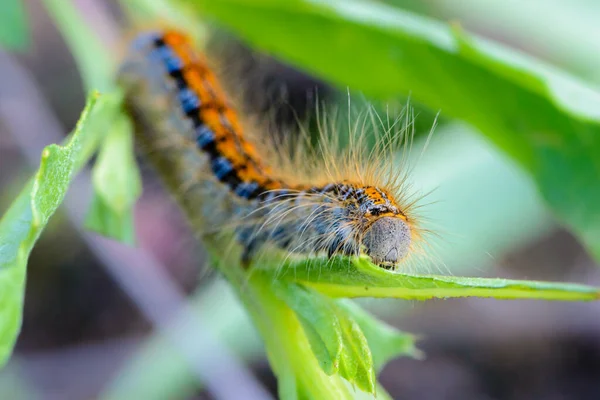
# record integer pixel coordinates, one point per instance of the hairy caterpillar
(336, 204)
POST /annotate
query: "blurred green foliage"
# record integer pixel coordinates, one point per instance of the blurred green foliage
(93, 59)
(117, 184)
(14, 30)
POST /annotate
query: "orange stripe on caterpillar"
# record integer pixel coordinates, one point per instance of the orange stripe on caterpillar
(214, 111)
(341, 215)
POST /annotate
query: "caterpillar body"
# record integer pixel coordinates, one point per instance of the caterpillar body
(340, 205)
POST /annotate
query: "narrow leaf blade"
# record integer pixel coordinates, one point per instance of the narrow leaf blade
(358, 277)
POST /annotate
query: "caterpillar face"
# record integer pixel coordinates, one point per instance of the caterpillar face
(387, 240)
(386, 233)
(373, 222)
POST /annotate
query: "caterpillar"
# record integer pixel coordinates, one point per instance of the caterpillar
(333, 203)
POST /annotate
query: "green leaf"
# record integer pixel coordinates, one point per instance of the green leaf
(358, 277)
(319, 320)
(117, 184)
(14, 32)
(25, 220)
(142, 11)
(289, 351)
(385, 341)
(335, 338)
(356, 361)
(544, 119)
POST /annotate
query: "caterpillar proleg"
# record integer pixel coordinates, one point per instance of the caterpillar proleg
(335, 203)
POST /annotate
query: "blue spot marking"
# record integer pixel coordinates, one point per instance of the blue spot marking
(245, 189)
(221, 167)
(204, 136)
(169, 58)
(189, 100)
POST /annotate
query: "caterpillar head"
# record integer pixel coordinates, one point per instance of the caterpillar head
(387, 240)
(387, 235)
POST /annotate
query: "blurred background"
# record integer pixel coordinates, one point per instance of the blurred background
(102, 320)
